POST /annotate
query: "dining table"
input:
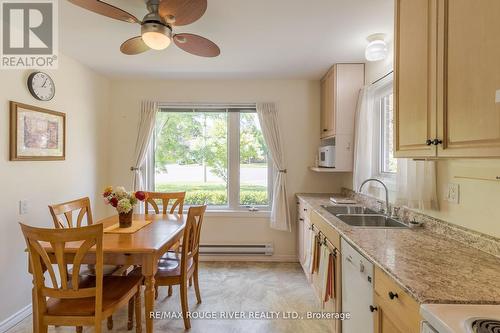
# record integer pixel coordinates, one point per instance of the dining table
(143, 248)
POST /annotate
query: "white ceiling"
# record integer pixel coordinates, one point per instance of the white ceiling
(272, 39)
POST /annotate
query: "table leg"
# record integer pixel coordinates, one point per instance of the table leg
(149, 267)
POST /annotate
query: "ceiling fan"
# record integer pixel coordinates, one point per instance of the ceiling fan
(158, 25)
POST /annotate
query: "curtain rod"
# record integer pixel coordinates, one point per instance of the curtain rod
(187, 105)
(383, 77)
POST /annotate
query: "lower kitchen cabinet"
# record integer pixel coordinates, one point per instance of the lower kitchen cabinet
(395, 311)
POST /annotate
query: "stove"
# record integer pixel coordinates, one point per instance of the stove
(483, 325)
(460, 318)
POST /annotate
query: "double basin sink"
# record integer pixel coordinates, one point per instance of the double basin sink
(362, 217)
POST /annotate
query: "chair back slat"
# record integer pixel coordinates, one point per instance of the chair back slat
(46, 243)
(62, 214)
(191, 236)
(177, 199)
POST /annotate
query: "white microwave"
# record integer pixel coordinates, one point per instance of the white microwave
(327, 157)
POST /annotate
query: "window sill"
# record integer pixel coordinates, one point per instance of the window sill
(238, 213)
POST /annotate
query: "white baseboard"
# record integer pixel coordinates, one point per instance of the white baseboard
(15, 319)
(273, 258)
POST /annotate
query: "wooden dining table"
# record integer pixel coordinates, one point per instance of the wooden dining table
(144, 248)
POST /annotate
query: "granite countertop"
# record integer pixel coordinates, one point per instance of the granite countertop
(429, 266)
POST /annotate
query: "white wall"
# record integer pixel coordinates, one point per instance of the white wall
(478, 208)
(298, 103)
(83, 96)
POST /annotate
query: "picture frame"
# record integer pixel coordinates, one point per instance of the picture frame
(36, 134)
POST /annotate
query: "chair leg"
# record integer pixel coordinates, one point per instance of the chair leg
(79, 329)
(130, 322)
(170, 291)
(156, 292)
(184, 304)
(138, 313)
(196, 285)
(44, 328)
(110, 323)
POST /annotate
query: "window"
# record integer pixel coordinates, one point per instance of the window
(218, 156)
(388, 163)
(385, 163)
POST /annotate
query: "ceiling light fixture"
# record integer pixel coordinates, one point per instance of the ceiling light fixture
(156, 35)
(377, 48)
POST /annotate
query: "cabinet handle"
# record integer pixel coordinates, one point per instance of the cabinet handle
(393, 295)
(437, 142)
(305, 209)
(373, 308)
(428, 142)
(301, 219)
(324, 130)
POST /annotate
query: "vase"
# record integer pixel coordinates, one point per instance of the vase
(125, 219)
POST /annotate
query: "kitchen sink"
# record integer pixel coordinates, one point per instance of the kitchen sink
(336, 210)
(370, 221)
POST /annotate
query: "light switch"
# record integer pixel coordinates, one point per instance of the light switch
(497, 96)
(23, 207)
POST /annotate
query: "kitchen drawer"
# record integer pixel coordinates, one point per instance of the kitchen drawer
(330, 233)
(402, 309)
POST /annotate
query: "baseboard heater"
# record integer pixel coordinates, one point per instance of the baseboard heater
(237, 249)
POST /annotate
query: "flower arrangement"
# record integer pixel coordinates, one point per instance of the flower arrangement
(123, 201)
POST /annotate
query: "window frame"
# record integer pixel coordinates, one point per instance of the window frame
(381, 90)
(233, 206)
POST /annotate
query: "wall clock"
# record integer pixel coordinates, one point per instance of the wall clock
(41, 86)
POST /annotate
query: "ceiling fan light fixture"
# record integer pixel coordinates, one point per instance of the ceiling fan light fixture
(377, 48)
(156, 35)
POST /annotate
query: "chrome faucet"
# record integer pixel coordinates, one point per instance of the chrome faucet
(387, 207)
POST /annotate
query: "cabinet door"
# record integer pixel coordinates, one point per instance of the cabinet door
(300, 245)
(328, 104)
(383, 322)
(469, 81)
(415, 77)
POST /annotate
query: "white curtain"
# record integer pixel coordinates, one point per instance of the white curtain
(363, 137)
(416, 184)
(268, 118)
(145, 133)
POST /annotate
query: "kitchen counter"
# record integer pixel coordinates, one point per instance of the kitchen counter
(429, 266)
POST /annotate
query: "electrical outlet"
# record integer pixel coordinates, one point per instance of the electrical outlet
(453, 193)
(23, 207)
(497, 96)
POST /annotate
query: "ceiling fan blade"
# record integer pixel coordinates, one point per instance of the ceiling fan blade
(134, 46)
(184, 11)
(105, 9)
(197, 45)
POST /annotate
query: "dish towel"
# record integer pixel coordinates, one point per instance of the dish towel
(308, 239)
(330, 279)
(315, 254)
(324, 264)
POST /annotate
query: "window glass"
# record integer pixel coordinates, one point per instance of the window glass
(253, 162)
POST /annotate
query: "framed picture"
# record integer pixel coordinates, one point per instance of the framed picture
(36, 134)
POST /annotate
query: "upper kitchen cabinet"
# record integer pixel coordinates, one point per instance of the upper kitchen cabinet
(339, 94)
(469, 78)
(447, 80)
(414, 80)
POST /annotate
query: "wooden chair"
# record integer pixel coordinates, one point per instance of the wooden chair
(187, 265)
(63, 216)
(177, 199)
(176, 202)
(76, 300)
